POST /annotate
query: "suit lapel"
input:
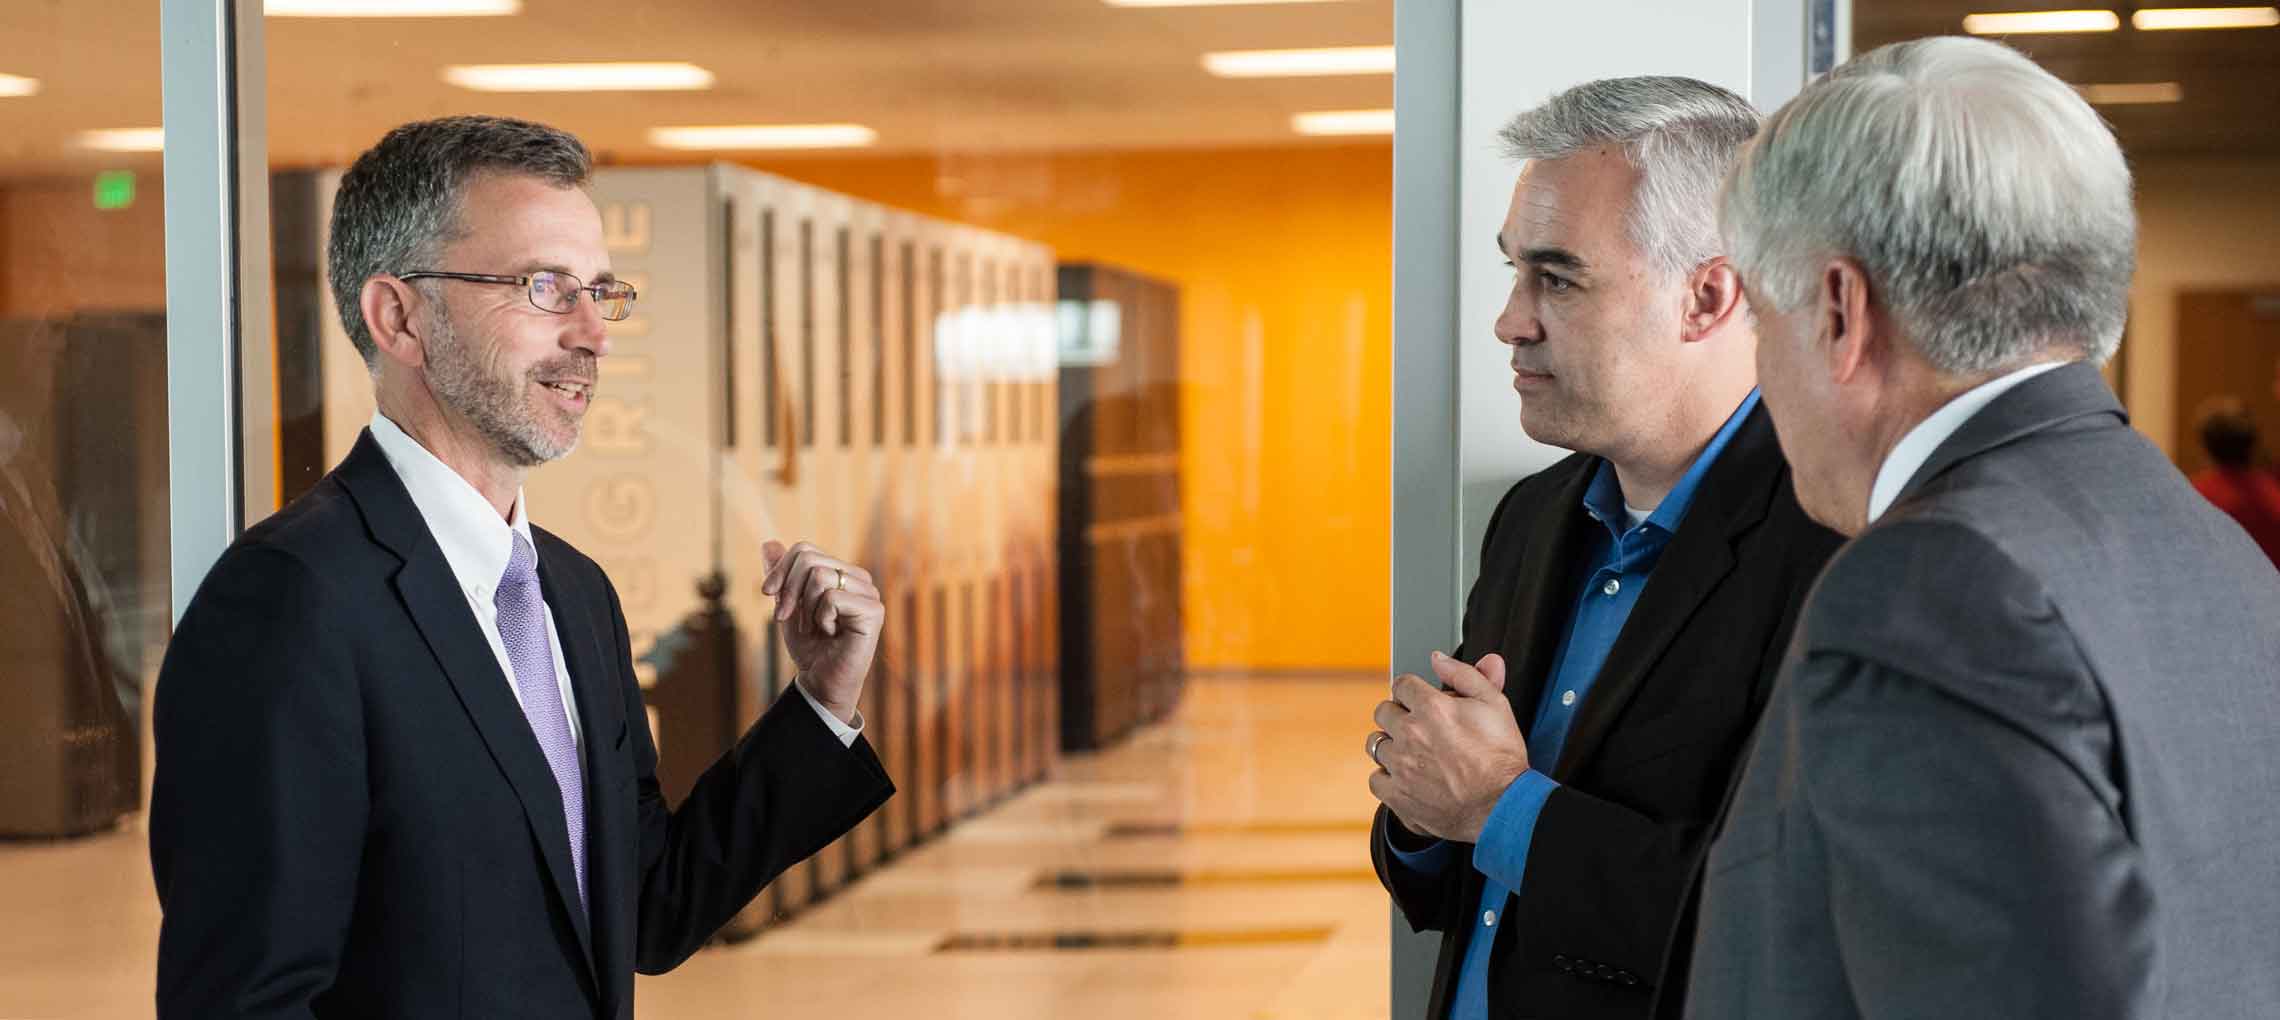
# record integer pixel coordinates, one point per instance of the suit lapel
(1544, 596)
(600, 718)
(1732, 498)
(432, 597)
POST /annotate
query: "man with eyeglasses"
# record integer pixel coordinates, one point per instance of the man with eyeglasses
(404, 769)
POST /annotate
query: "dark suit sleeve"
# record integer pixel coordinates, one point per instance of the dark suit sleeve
(1618, 877)
(258, 805)
(1424, 896)
(784, 792)
(1973, 868)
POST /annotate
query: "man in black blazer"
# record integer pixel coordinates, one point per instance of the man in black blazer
(403, 765)
(1545, 810)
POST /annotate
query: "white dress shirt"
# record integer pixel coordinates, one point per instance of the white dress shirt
(476, 543)
(1918, 445)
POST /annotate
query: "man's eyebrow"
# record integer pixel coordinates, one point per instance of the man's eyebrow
(1557, 258)
(543, 266)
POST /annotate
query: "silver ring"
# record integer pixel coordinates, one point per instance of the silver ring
(842, 579)
(1376, 739)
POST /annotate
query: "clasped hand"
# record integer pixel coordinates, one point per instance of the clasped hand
(1446, 756)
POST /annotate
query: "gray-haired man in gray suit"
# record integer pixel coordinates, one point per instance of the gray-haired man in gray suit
(2023, 759)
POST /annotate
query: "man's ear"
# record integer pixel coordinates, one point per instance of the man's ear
(393, 313)
(1846, 328)
(1713, 297)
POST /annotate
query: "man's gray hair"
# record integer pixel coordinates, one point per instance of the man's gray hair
(399, 204)
(1682, 135)
(1987, 203)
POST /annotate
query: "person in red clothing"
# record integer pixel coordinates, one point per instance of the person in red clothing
(2235, 482)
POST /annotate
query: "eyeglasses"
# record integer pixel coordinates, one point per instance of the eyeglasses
(553, 292)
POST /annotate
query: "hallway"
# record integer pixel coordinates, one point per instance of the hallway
(1212, 866)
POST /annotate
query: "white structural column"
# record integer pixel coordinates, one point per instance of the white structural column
(220, 363)
(1466, 67)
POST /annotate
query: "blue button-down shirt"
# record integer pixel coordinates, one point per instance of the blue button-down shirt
(1622, 558)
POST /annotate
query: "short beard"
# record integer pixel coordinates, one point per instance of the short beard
(498, 409)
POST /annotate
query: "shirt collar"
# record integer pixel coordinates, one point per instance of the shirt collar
(475, 540)
(1604, 499)
(1922, 441)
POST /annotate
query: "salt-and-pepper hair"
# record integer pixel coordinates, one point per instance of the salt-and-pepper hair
(1987, 203)
(1682, 135)
(398, 204)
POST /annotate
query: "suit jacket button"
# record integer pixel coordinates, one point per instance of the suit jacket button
(1563, 963)
(1630, 978)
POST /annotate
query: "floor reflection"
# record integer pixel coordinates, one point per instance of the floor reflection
(1212, 866)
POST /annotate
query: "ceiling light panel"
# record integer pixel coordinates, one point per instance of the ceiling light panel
(1300, 63)
(2169, 19)
(724, 137)
(2041, 22)
(391, 8)
(1344, 122)
(578, 77)
(124, 139)
(18, 85)
(1208, 3)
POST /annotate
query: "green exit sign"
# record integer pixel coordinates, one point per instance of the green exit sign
(114, 189)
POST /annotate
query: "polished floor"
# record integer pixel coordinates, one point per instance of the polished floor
(1213, 866)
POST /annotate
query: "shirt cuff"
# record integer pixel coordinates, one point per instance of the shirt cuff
(844, 732)
(1502, 853)
(1428, 861)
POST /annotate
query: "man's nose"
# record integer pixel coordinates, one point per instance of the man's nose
(587, 330)
(1517, 324)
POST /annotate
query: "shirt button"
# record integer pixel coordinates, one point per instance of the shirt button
(1488, 919)
(1613, 585)
(1567, 699)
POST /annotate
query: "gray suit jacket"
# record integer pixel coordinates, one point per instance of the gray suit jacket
(2023, 759)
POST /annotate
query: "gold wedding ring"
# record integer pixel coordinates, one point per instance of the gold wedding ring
(842, 579)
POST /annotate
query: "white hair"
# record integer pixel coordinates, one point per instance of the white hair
(1987, 203)
(1682, 135)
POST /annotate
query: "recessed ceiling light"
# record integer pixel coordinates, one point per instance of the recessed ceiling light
(1205, 3)
(2165, 19)
(578, 77)
(2041, 22)
(2132, 93)
(1344, 122)
(17, 85)
(124, 139)
(764, 136)
(391, 8)
(1300, 63)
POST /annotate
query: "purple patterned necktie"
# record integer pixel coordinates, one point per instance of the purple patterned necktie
(522, 628)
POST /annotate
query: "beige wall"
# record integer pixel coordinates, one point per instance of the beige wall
(59, 254)
(2202, 224)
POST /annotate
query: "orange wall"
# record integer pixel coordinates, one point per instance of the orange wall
(1283, 259)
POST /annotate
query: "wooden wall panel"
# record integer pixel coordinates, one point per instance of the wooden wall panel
(864, 406)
